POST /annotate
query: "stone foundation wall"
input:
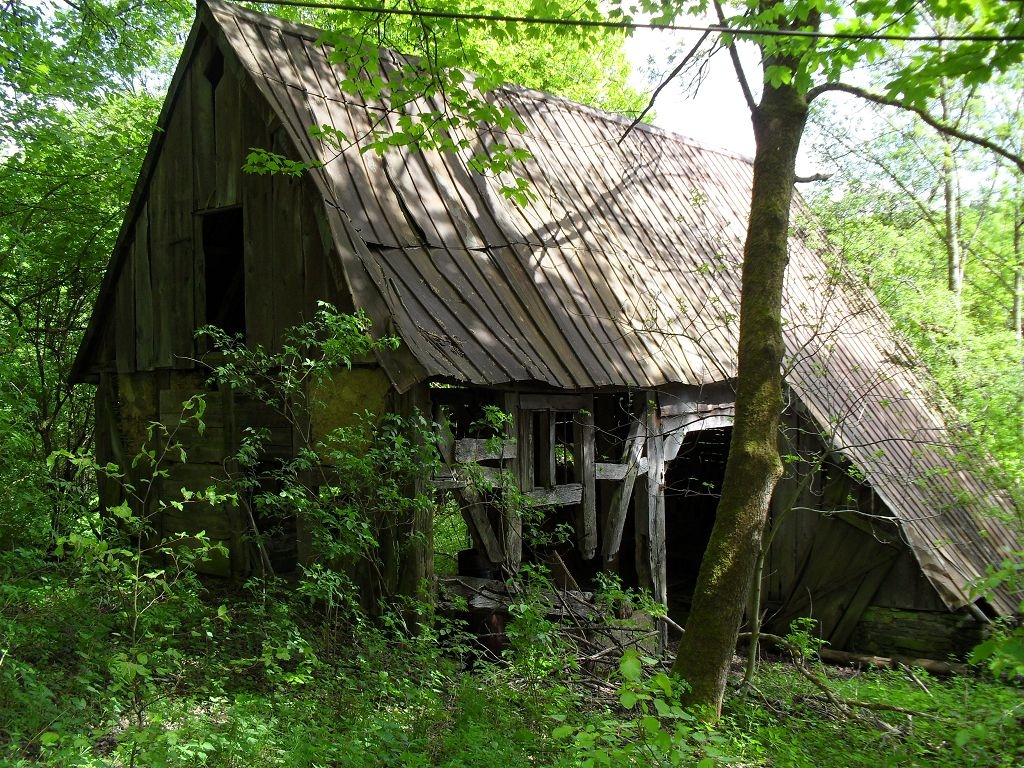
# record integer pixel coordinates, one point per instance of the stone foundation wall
(928, 634)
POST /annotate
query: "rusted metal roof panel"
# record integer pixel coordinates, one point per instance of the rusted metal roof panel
(623, 272)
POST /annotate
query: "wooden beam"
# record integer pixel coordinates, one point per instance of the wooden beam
(535, 402)
(586, 529)
(560, 495)
(697, 410)
(471, 449)
(616, 520)
(615, 472)
(475, 514)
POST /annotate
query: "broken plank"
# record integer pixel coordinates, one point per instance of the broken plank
(470, 449)
(616, 520)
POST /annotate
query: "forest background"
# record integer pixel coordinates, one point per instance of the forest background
(931, 224)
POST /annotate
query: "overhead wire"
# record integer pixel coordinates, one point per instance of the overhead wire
(636, 25)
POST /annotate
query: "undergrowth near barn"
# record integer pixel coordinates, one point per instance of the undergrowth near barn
(262, 677)
(114, 652)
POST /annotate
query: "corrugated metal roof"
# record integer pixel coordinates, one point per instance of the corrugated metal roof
(624, 272)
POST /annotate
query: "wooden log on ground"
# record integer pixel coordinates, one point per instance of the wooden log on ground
(931, 666)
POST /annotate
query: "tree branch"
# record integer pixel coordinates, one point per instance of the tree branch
(740, 74)
(940, 126)
(675, 72)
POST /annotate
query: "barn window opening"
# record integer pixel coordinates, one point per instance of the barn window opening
(555, 437)
(224, 260)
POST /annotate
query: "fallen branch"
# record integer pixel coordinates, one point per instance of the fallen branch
(844, 706)
(931, 666)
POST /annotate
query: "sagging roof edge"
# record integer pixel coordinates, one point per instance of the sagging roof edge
(936, 567)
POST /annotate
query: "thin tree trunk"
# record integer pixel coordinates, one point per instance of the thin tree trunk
(754, 466)
(1017, 318)
(951, 198)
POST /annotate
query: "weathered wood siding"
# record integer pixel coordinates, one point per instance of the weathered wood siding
(836, 555)
(160, 295)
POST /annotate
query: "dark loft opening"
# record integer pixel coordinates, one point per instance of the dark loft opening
(693, 485)
(224, 258)
(215, 69)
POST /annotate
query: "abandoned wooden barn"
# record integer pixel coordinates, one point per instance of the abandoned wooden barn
(601, 316)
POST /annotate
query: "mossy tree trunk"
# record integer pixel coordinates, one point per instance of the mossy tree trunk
(754, 465)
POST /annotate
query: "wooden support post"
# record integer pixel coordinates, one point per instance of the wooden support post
(642, 535)
(586, 529)
(521, 468)
(654, 517)
(656, 504)
(616, 520)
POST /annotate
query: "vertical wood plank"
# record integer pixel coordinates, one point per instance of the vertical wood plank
(257, 219)
(585, 454)
(204, 139)
(176, 278)
(544, 445)
(198, 282)
(512, 525)
(143, 292)
(316, 285)
(287, 256)
(642, 534)
(228, 130)
(241, 562)
(158, 285)
(124, 313)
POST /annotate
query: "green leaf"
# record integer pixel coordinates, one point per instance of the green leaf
(49, 738)
(563, 731)
(630, 667)
(776, 75)
(651, 725)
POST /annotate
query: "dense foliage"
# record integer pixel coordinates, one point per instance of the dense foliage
(104, 665)
(75, 120)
